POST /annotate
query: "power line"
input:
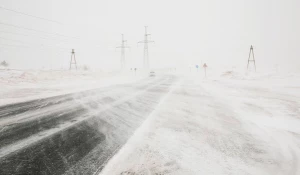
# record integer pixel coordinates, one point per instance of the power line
(31, 47)
(58, 34)
(22, 34)
(12, 40)
(34, 44)
(26, 14)
(58, 52)
(44, 38)
(14, 33)
(13, 45)
(41, 31)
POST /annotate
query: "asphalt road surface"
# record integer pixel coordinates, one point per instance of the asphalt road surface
(75, 133)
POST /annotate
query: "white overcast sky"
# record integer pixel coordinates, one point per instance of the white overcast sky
(186, 32)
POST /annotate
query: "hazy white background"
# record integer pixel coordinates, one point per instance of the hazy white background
(186, 32)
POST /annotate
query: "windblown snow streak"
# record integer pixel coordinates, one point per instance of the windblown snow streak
(230, 127)
(75, 133)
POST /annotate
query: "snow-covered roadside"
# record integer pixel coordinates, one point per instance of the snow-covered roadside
(225, 126)
(20, 85)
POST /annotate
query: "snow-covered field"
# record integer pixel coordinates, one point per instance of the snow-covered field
(232, 124)
(23, 85)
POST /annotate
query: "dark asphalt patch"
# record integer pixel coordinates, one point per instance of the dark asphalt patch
(54, 155)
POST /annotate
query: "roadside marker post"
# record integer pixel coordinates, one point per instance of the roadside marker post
(197, 67)
(205, 66)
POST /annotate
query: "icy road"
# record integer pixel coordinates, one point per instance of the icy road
(162, 125)
(75, 133)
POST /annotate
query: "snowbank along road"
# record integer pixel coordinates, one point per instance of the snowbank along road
(75, 133)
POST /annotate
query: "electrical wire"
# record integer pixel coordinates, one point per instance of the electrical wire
(36, 44)
(22, 13)
(41, 31)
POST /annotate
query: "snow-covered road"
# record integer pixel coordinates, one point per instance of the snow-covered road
(217, 127)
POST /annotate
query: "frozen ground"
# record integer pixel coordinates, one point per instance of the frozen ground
(23, 85)
(233, 124)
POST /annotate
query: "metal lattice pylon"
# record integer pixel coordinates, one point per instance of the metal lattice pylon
(73, 60)
(251, 60)
(146, 55)
(123, 47)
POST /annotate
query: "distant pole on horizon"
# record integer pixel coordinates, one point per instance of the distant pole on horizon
(251, 60)
(123, 47)
(73, 60)
(146, 55)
